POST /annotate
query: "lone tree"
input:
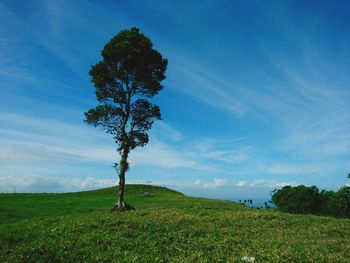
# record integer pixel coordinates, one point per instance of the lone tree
(128, 76)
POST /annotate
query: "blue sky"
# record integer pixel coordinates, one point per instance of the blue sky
(257, 95)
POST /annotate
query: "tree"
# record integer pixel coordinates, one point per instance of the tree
(336, 204)
(128, 76)
(297, 199)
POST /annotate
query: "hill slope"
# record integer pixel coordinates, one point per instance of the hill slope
(17, 207)
(166, 227)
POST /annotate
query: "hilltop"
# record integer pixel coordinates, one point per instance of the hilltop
(165, 227)
(17, 207)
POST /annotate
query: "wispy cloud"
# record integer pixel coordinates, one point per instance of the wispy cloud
(48, 147)
(161, 155)
(296, 169)
(31, 138)
(166, 132)
(208, 87)
(224, 183)
(258, 190)
(21, 151)
(308, 110)
(217, 182)
(61, 16)
(271, 183)
(51, 184)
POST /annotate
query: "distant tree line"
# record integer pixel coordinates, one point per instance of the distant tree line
(309, 200)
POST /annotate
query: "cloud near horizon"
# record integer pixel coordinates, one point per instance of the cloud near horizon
(23, 184)
(48, 184)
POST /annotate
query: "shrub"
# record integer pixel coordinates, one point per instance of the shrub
(297, 200)
(336, 204)
(308, 200)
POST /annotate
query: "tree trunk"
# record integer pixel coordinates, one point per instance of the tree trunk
(120, 201)
(124, 165)
(121, 205)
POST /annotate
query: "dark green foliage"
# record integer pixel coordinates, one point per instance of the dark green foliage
(336, 204)
(297, 200)
(128, 76)
(130, 69)
(308, 200)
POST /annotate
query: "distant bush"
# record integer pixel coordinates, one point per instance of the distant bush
(308, 200)
(336, 204)
(297, 200)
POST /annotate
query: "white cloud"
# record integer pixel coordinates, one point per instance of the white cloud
(226, 183)
(227, 156)
(242, 183)
(198, 155)
(293, 169)
(60, 17)
(270, 183)
(46, 128)
(163, 129)
(161, 155)
(309, 109)
(70, 151)
(51, 184)
(220, 182)
(41, 139)
(217, 182)
(208, 87)
(225, 150)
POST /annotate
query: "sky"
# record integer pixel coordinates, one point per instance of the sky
(256, 95)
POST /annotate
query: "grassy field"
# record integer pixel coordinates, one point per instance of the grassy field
(166, 227)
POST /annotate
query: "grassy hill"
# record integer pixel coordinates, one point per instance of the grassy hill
(166, 227)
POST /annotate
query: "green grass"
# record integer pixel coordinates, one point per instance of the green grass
(17, 207)
(166, 227)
